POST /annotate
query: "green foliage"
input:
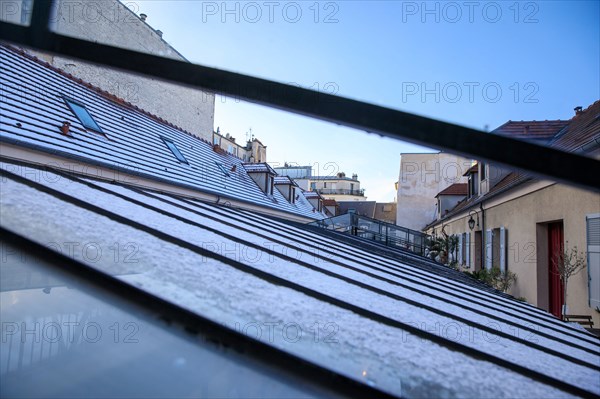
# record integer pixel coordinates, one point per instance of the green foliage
(439, 248)
(495, 278)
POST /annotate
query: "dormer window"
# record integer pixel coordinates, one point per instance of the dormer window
(171, 145)
(315, 200)
(287, 188)
(83, 115)
(263, 175)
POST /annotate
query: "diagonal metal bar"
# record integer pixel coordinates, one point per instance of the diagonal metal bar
(541, 161)
(40, 21)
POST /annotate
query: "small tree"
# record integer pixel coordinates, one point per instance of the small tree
(566, 264)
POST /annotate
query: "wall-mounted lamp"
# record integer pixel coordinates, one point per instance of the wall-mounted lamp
(472, 221)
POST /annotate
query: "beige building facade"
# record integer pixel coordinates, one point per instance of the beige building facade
(253, 152)
(422, 177)
(519, 224)
(339, 187)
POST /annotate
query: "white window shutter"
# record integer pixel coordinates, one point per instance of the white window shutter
(593, 260)
(468, 248)
(488, 249)
(502, 249)
(460, 252)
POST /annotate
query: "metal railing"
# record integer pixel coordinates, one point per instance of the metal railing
(376, 230)
(336, 191)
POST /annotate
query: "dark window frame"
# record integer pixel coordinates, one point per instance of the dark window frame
(175, 150)
(95, 127)
(223, 169)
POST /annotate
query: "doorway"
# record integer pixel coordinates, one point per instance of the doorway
(555, 288)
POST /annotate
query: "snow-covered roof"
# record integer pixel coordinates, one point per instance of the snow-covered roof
(384, 317)
(311, 194)
(33, 111)
(284, 180)
(259, 168)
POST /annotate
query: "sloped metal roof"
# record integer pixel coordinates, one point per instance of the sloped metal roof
(395, 322)
(32, 114)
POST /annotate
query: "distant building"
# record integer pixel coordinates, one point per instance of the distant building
(339, 187)
(294, 172)
(422, 177)
(382, 211)
(253, 152)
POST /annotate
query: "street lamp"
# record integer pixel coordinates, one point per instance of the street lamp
(471, 221)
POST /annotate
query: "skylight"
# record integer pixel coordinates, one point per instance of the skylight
(175, 150)
(83, 115)
(225, 171)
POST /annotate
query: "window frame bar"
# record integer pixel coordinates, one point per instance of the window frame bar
(544, 162)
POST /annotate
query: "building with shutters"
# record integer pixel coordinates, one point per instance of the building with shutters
(516, 222)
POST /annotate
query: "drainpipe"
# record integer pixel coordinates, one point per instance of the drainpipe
(482, 235)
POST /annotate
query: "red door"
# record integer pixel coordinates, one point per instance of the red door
(555, 246)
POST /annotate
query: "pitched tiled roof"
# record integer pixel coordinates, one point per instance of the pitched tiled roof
(472, 169)
(583, 129)
(32, 115)
(576, 135)
(537, 131)
(455, 189)
(396, 322)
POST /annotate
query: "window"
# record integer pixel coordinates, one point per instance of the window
(222, 168)
(216, 140)
(313, 186)
(483, 176)
(175, 150)
(83, 115)
(270, 184)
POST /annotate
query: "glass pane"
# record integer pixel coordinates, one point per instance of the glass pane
(64, 338)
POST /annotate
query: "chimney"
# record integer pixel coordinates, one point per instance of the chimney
(578, 110)
(143, 17)
(354, 176)
(159, 33)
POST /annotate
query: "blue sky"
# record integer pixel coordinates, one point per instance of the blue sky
(472, 63)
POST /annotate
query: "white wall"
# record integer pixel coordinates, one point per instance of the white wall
(422, 176)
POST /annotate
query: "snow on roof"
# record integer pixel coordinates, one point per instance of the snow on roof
(284, 180)
(382, 316)
(32, 115)
(311, 194)
(259, 168)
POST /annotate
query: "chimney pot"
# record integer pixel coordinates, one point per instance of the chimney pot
(159, 32)
(143, 16)
(578, 110)
(64, 129)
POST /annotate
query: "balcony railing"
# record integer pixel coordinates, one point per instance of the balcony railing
(335, 191)
(388, 234)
